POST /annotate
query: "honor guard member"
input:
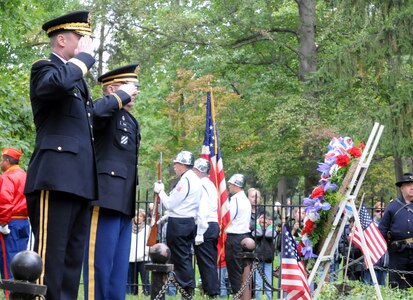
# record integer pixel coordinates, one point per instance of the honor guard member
(182, 204)
(117, 139)
(14, 223)
(397, 226)
(206, 239)
(61, 176)
(237, 230)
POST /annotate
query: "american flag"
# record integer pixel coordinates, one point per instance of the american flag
(212, 152)
(293, 274)
(375, 242)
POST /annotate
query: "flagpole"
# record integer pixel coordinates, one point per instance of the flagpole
(350, 244)
(366, 250)
(215, 133)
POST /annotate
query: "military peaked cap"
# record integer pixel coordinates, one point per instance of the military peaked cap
(124, 74)
(77, 21)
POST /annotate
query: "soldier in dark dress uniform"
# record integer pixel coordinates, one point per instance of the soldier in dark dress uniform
(397, 226)
(62, 175)
(117, 139)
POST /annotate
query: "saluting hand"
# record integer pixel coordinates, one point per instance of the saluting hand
(129, 89)
(85, 45)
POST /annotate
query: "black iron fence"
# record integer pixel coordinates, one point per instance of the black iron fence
(279, 211)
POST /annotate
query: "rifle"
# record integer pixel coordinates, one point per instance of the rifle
(153, 235)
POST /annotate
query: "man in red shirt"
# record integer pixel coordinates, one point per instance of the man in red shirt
(14, 223)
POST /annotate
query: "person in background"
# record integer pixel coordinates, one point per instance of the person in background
(297, 222)
(383, 262)
(254, 196)
(224, 286)
(206, 240)
(139, 255)
(237, 230)
(264, 234)
(277, 213)
(117, 141)
(14, 223)
(396, 226)
(62, 175)
(355, 271)
(182, 204)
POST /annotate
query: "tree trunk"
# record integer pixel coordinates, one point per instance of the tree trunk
(282, 190)
(306, 36)
(307, 65)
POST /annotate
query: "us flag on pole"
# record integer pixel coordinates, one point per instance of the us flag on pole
(212, 152)
(293, 274)
(375, 242)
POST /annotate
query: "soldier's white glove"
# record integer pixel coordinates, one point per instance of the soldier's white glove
(162, 220)
(158, 187)
(199, 239)
(5, 229)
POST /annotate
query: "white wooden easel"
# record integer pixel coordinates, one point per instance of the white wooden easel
(330, 245)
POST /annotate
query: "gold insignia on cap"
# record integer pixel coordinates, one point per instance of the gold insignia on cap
(411, 177)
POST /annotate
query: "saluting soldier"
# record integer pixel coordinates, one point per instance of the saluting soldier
(397, 225)
(117, 140)
(61, 176)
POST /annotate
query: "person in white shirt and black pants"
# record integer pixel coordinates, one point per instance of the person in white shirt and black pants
(237, 230)
(206, 239)
(182, 204)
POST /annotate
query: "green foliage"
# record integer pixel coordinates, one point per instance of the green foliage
(276, 125)
(355, 290)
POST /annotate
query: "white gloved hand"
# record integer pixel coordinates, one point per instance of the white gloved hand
(158, 187)
(5, 229)
(199, 239)
(162, 220)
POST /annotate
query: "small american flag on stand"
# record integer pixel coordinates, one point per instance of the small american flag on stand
(293, 274)
(211, 151)
(375, 242)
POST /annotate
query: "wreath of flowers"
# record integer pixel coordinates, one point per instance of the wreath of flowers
(336, 163)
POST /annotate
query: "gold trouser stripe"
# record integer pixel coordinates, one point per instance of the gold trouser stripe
(43, 220)
(91, 253)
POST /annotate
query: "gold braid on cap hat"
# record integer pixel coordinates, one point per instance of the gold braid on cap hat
(83, 28)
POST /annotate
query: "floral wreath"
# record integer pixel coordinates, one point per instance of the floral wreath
(333, 170)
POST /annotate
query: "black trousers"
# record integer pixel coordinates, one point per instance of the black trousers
(60, 222)
(235, 264)
(206, 257)
(401, 259)
(180, 236)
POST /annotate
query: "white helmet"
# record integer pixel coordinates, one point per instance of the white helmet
(185, 158)
(202, 165)
(238, 180)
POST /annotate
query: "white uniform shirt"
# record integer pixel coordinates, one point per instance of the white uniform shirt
(208, 207)
(240, 213)
(183, 201)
